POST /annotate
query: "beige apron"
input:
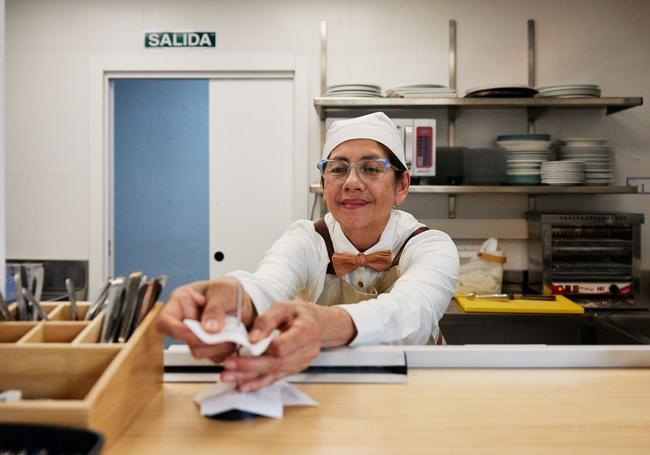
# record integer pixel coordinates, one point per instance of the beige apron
(337, 291)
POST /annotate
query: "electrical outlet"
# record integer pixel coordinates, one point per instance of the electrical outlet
(643, 183)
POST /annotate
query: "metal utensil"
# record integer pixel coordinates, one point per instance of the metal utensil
(147, 302)
(474, 295)
(5, 315)
(37, 309)
(38, 283)
(131, 301)
(550, 298)
(24, 280)
(505, 297)
(240, 292)
(151, 297)
(98, 305)
(21, 306)
(74, 312)
(144, 290)
(115, 301)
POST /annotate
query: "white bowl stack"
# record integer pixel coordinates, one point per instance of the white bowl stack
(524, 155)
(569, 91)
(595, 153)
(563, 172)
(354, 90)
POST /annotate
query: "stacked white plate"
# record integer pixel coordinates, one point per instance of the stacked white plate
(564, 172)
(524, 155)
(421, 91)
(595, 153)
(354, 90)
(569, 91)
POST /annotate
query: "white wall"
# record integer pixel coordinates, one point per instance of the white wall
(2, 146)
(49, 44)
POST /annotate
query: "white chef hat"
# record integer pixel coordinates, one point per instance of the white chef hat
(376, 126)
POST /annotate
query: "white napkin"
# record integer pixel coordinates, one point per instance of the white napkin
(269, 401)
(11, 396)
(220, 397)
(234, 332)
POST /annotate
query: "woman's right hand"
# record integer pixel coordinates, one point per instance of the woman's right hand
(208, 302)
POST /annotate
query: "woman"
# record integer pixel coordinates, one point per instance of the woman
(365, 274)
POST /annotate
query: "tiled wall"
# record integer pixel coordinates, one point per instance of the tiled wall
(49, 44)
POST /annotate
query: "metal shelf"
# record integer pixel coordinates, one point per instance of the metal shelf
(532, 191)
(350, 106)
(345, 107)
(510, 189)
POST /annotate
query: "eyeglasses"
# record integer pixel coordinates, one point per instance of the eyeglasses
(367, 170)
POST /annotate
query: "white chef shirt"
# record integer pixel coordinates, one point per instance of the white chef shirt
(296, 264)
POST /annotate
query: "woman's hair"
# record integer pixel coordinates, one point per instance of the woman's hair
(397, 165)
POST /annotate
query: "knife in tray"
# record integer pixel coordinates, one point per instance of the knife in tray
(37, 310)
(74, 312)
(99, 303)
(21, 306)
(151, 297)
(134, 320)
(115, 302)
(38, 283)
(130, 305)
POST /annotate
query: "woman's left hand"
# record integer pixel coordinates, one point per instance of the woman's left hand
(289, 353)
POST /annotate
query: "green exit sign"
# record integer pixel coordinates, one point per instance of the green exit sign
(180, 39)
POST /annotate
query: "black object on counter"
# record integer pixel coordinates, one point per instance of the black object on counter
(234, 414)
(49, 439)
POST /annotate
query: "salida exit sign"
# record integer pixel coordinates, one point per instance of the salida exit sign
(180, 39)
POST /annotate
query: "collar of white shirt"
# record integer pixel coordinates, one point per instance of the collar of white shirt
(400, 225)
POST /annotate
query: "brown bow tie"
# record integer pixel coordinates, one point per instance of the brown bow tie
(345, 263)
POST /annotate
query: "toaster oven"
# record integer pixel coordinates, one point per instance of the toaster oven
(584, 255)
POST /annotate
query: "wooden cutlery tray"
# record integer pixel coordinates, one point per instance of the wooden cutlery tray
(68, 378)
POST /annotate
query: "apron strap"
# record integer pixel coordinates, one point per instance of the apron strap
(419, 230)
(322, 230)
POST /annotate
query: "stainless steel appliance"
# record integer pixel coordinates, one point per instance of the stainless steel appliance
(419, 139)
(593, 255)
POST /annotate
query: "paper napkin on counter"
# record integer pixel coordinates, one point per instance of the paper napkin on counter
(269, 401)
(11, 396)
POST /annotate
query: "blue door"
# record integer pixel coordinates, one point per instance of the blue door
(161, 179)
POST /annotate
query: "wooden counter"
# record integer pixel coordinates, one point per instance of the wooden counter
(438, 411)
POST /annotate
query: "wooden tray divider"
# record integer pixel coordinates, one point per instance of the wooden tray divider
(63, 313)
(33, 333)
(12, 331)
(130, 381)
(101, 386)
(50, 309)
(55, 332)
(91, 333)
(52, 371)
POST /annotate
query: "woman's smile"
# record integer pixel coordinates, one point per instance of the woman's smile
(353, 203)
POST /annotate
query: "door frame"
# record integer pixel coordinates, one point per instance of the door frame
(100, 162)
